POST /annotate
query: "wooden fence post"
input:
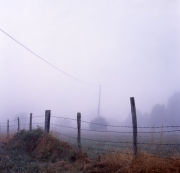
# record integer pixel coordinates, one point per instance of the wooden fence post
(18, 125)
(8, 128)
(79, 132)
(30, 122)
(134, 123)
(47, 121)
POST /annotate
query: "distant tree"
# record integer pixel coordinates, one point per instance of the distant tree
(142, 119)
(173, 109)
(158, 115)
(98, 120)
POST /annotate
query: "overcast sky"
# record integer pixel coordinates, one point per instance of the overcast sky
(130, 47)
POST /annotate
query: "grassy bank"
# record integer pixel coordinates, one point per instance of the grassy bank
(35, 152)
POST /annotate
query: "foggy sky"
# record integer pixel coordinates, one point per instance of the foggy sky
(130, 47)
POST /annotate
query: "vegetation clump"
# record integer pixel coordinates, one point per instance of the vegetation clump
(98, 120)
(26, 140)
(33, 151)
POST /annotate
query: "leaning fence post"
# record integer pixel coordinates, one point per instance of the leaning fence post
(8, 128)
(30, 122)
(18, 125)
(134, 123)
(47, 121)
(79, 132)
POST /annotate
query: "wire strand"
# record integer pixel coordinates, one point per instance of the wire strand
(47, 61)
(120, 142)
(105, 131)
(108, 125)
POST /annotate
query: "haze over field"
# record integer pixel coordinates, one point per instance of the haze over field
(130, 48)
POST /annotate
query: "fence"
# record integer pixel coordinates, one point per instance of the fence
(103, 140)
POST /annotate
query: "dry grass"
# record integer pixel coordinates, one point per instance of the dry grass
(51, 148)
(54, 155)
(2, 137)
(126, 163)
(118, 163)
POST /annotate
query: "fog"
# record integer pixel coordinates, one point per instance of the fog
(130, 48)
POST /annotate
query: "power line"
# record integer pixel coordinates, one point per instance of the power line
(45, 60)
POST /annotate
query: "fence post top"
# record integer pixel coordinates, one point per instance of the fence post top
(78, 114)
(48, 110)
(132, 101)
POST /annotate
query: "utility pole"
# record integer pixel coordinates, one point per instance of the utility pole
(99, 99)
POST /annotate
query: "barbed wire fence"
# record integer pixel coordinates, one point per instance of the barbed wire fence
(99, 141)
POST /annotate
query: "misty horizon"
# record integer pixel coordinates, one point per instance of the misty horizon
(129, 48)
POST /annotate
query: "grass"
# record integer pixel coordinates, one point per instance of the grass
(35, 152)
(126, 163)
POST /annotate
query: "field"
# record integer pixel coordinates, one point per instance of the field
(33, 151)
(163, 144)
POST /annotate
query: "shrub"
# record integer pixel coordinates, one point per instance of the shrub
(96, 121)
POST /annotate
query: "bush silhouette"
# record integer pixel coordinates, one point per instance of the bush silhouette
(96, 121)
